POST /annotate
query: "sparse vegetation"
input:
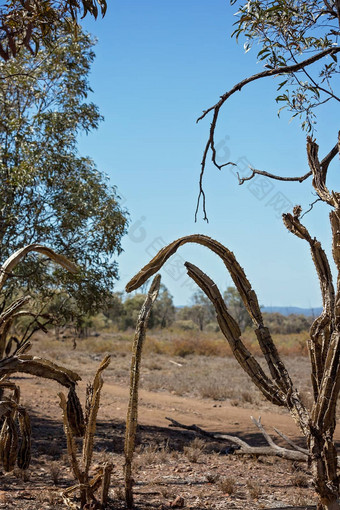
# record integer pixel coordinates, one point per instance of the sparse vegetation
(254, 489)
(194, 450)
(227, 486)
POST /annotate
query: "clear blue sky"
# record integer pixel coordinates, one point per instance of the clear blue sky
(159, 64)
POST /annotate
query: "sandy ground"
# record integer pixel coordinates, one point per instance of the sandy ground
(172, 469)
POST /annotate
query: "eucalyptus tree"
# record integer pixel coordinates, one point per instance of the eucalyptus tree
(49, 192)
(27, 23)
(298, 43)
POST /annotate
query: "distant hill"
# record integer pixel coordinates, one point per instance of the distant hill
(287, 310)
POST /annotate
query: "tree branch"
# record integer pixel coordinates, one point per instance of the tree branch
(238, 87)
(320, 329)
(244, 448)
(324, 164)
(277, 368)
(271, 72)
(231, 331)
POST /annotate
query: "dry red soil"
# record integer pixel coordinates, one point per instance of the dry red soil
(172, 468)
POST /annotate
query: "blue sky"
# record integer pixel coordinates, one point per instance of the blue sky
(158, 65)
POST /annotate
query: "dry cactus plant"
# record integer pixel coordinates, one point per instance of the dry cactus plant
(317, 425)
(15, 435)
(14, 310)
(14, 450)
(132, 414)
(76, 424)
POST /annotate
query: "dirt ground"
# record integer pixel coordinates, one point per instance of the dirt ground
(172, 467)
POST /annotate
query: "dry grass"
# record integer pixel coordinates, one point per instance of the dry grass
(300, 480)
(254, 489)
(173, 342)
(194, 450)
(199, 374)
(55, 471)
(151, 454)
(184, 343)
(227, 485)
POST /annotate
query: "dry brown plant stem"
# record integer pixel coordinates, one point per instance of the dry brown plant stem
(132, 414)
(318, 425)
(20, 362)
(81, 467)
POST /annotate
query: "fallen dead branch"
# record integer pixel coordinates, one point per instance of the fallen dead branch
(272, 449)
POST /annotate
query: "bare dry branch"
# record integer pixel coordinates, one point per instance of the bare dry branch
(324, 165)
(238, 87)
(12, 310)
(249, 298)
(245, 449)
(311, 205)
(231, 331)
(319, 172)
(14, 260)
(291, 443)
(38, 366)
(254, 172)
(271, 72)
(320, 329)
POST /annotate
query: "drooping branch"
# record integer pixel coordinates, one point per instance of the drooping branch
(287, 394)
(236, 272)
(232, 332)
(40, 367)
(244, 448)
(210, 145)
(14, 260)
(276, 366)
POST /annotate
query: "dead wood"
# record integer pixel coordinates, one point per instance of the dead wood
(272, 450)
(132, 414)
(279, 389)
(7, 268)
(39, 367)
(317, 425)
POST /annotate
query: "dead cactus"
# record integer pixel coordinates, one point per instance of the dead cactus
(132, 414)
(73, 414)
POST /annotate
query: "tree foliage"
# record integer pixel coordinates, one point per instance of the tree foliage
(285, 32)
(163, 311)
(236, 307)
(298, 43)
(124, 313)
(287, 324)
(51, 194)
(201, 312)
(27, 23)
